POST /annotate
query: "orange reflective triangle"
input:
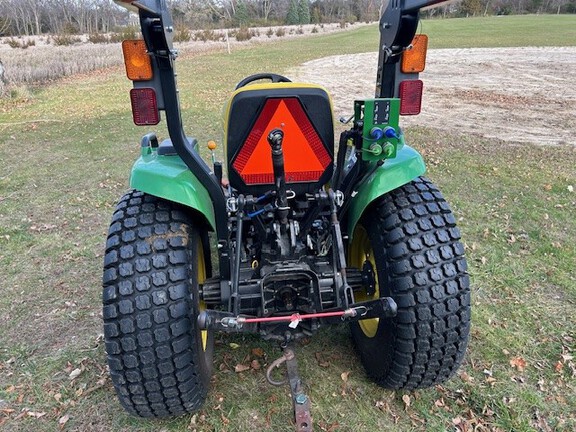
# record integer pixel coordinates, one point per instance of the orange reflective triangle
(305, 157)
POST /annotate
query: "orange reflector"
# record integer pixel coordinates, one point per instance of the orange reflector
(137, 60)
(410, 93)
(414, 57)
(305, 157)
(144, 106)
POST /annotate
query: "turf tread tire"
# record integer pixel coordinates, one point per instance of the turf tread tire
(421, 265)
(154, 348)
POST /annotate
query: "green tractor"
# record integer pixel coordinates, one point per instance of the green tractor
(299, 234)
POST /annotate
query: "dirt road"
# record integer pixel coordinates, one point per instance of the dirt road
(518, 95)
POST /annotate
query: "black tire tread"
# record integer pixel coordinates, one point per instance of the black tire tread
(422, 266)
(150, 338)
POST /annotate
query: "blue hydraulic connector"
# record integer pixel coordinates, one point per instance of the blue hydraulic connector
(377, 133)
(390, 132)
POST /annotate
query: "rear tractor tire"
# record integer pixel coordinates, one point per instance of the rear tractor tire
(160, 361)
(409, 237)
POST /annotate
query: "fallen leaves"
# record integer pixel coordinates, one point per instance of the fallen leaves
(439, 403)
(35, 414)
(388, 409)
(332, 427)
(407, 401)
(254, 361)
(74, 381)
(63, 420)
(519, 363)
(42, 227)
(465, 377)
(566, 360)
(559, 366)
(469, 421)
(344, 376)
(319, 356)
(75, 374)
(258, 352)
(241, 368)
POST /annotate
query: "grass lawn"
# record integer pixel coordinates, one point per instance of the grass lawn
(65, 156)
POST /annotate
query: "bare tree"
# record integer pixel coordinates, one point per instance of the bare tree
(266, 8)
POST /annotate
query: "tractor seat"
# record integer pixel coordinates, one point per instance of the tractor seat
(303, 112)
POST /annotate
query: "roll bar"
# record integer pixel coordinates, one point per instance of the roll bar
(398, 25)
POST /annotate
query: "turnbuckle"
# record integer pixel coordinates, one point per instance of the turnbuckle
(384, 307)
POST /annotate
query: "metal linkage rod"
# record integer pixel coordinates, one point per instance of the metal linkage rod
(300, 401)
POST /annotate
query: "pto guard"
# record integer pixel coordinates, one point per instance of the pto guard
(405, 167)
(168, 177)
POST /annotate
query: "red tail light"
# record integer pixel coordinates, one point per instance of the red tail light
(144, 106)
(410, 93)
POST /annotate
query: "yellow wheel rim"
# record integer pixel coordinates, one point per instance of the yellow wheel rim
(360, 250)
(201, 279)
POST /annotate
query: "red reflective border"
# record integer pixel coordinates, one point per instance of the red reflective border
(144, 106)
(410, 93)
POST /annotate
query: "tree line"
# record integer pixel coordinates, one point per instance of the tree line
(33, 17)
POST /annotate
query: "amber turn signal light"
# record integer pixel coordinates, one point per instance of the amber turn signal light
(137, 61)
(414, 57)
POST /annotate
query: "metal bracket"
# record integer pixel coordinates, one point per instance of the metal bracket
(300, 401)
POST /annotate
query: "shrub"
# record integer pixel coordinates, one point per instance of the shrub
(280, 31)
(19, 93)
(125, 33)
(270, 32)
(182, 34)
(15, 43)
(206, 35)
(300, 30)
(70, 29)
(115, 37)
(97, 38)
(314, 30)
(65, 39)
(244, 34)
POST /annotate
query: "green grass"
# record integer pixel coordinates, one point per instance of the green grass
(501, 31)
(66, 152)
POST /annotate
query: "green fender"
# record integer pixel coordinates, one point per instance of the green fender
(405, 167)
(169, 178)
